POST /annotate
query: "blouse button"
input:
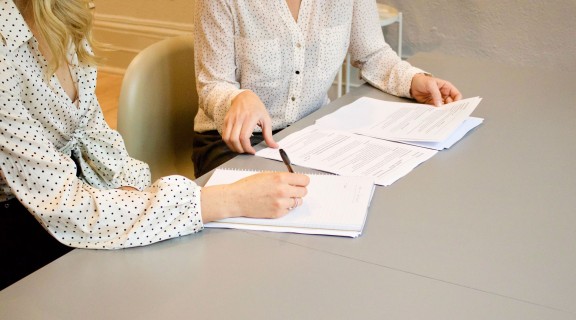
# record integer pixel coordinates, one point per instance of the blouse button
(298, 45)
(293, 98)
(297, 72)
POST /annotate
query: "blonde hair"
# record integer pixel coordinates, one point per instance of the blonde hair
(61, 23)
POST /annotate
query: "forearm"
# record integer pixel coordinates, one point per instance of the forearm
(112, 219)
(109, 164)
(79, 215)
(379, 64)
(389, 74)
(215, 100)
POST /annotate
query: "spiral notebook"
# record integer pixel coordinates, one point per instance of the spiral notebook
(334, 205)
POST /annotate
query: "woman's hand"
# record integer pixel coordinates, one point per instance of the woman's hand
(263, 195)
(246, 112)
(434, 91)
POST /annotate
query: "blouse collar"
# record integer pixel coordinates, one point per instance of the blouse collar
(13, 29)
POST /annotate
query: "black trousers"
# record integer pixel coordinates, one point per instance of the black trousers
(24, 244)
(209, 150)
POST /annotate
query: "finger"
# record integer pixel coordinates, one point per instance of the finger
(288, 204)
(434, 92)
(266, 126)
(456, 95)
(234, 139)
(294, 203)
(296, 191)
(294, 179)
(227, 139)
(299, 201)
(290, 191)
(449, 90)
(245, 134)
(228, 132)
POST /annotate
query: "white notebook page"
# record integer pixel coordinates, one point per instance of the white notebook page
(333, 203)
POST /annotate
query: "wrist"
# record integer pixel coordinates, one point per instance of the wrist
(415, 79)
(239, 94)
(218, 202)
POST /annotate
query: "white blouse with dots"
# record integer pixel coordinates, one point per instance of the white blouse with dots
(290, 65)
(41, 128)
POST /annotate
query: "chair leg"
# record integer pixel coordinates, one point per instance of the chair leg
(400, 34)
(347, 73)
(339, 88)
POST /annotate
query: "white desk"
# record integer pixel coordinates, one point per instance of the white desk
(485, 230)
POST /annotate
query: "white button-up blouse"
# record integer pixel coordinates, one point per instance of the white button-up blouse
(42, 128)
(258, 45)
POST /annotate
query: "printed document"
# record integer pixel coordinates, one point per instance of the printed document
(345, 153)
(380, 139)
(437, 127)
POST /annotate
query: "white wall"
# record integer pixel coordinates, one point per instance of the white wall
(529, 32)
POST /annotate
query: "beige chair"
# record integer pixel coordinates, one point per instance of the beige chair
(158, 102)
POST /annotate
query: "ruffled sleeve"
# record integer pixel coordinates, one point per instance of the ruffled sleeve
(83, 209)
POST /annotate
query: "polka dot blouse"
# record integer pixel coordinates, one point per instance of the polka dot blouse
(290, 65)
(63, 162)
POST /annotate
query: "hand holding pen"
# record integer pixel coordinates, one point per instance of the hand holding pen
(296, 201)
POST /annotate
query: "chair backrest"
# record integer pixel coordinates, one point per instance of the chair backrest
(157, 106)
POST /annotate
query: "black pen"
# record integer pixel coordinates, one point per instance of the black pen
(286, 160)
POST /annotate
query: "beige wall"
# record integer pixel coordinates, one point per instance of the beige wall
(530, 32)
(128, 26)
(177, 11)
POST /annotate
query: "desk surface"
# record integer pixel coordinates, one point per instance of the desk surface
(484, 230)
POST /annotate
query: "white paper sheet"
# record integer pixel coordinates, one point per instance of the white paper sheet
(350, 154)
(465, 127)
(334, 205)
(400, 121)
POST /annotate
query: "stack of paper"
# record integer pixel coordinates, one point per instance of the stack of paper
(346, 153)
(334, 205)
(431, 127)
(380, 139)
